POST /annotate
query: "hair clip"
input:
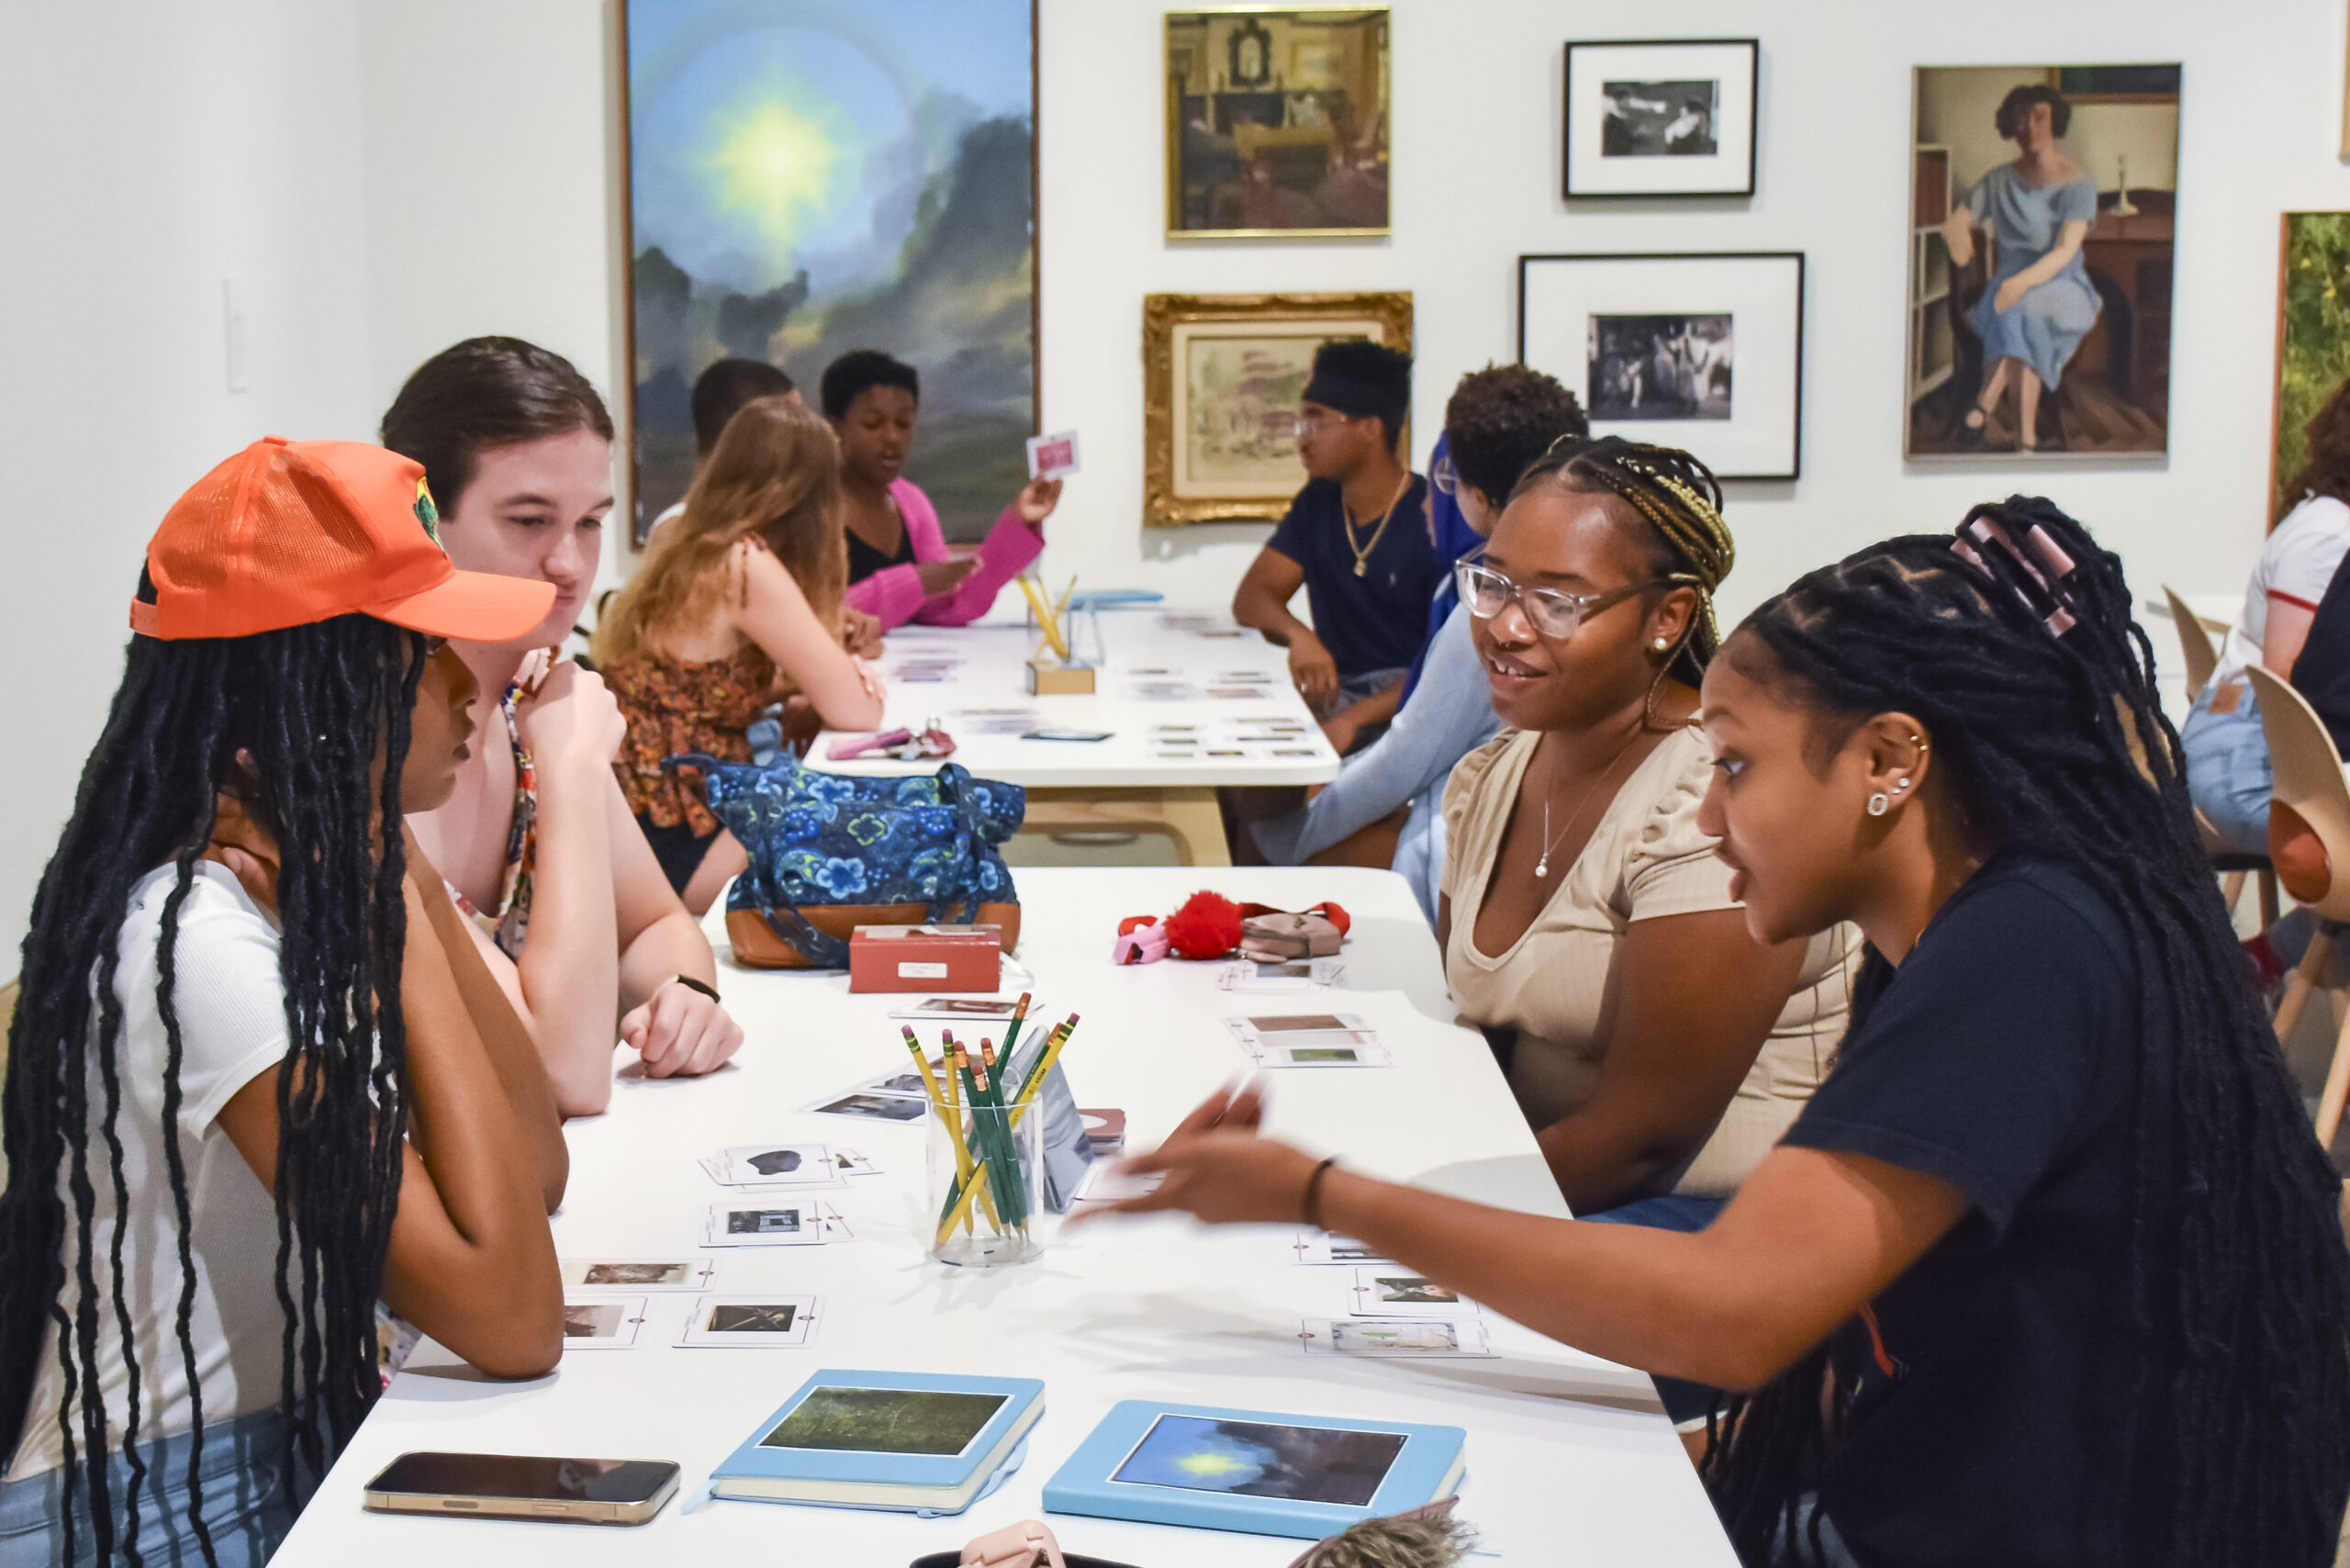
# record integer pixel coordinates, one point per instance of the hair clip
(2046, 567)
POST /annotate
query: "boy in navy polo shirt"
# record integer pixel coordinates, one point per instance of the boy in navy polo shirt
(1356, 539)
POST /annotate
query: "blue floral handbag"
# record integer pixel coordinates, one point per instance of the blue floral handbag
(830, 853)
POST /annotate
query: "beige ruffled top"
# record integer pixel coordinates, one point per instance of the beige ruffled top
(1558, 984)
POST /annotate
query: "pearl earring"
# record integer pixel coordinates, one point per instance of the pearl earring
(1660, 644)
(1902, 784)
(1879, 803)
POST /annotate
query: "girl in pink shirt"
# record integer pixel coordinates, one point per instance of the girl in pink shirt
(898, 565)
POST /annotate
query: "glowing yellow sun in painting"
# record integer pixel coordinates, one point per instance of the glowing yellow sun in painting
(777, 165)
(1210, 1462)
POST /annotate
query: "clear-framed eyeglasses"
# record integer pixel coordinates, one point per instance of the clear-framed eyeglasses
(1445, 477)
(1308, 424)
(1552, 614)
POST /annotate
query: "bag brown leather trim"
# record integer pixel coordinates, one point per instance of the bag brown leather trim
(757, 946)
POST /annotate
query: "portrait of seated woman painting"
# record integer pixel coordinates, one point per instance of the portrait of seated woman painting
(2040, 258)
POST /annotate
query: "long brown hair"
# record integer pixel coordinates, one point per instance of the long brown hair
(2325, 469)
(775, 478)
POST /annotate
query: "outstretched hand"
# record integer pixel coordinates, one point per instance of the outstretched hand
(945, 576)
(1220, 1169)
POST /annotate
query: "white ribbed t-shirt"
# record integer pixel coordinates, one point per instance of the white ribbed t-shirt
(230, 1004)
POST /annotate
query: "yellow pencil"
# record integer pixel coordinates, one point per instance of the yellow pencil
(1044, 619)
(1060, 610)
(1036, 1083)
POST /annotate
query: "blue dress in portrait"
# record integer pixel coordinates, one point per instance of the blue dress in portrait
(2047, 324)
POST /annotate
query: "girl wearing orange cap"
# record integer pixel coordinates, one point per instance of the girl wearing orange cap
(242, 988)
(577, 919)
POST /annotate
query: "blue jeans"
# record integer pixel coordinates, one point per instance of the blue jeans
(1687, 1403)
(244, 1506)
(2228, 772)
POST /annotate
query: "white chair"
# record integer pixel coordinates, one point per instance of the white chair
(2309, 841)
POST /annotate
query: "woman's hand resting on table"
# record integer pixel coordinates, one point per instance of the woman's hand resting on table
(680, 1032)
(1220, 1169)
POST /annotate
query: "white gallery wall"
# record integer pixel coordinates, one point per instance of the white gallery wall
(382, 177)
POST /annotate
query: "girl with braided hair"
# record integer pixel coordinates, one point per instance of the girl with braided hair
(2049, 1271)
(257, 1079)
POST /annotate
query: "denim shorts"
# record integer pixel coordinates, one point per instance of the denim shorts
(244, 1506)
(2229, 776)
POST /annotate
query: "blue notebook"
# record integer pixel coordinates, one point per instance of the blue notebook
(915, 1442)
(1243, 1469)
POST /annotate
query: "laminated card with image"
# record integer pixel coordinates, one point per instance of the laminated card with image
(917, 1442)
(1306, 1476)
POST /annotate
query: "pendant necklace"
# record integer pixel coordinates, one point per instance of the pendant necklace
(1542, 865)
(1363, 551)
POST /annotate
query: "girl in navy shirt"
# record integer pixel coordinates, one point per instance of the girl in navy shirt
(2050, 1270)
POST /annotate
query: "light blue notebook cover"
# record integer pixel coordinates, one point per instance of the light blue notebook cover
(901, 1442)
(1308, 1476)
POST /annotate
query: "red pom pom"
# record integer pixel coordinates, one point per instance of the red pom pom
(1207, 926)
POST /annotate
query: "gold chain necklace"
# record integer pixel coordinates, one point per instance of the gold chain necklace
(1363, 551)
(1542, 865)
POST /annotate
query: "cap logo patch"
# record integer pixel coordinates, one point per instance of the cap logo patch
(429, 515)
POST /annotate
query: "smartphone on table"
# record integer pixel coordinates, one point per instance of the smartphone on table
(521, 1487)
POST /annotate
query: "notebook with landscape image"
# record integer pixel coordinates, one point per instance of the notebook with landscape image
(1308, 1476)
(916, 1442)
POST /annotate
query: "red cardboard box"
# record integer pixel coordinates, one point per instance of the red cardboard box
(925, 957)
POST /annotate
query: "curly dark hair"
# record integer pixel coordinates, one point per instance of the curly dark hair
(1503, 417)
(859, 371)
(2016, 108)
(2235, 1444)
(2326, 470)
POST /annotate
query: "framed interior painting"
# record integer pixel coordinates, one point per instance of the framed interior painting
(1704, 352)
(1661, 118)
(2313, 337)
(1222, 376)
(803, 179)
(1277, 122)
(2041, 221)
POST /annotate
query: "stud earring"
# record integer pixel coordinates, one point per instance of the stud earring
(1660, 644)
(1879, 803)
(1901, 784)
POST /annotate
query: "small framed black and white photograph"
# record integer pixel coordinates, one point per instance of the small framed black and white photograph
(1661, 118)
(1703, 351)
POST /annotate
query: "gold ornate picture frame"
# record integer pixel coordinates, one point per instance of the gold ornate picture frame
(1277, 122)
(1221, 379)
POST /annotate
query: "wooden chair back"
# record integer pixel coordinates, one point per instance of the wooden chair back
(2309, 839)
(2194, 643)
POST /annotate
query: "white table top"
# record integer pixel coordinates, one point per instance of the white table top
(1562, 1448)
(1156, 667)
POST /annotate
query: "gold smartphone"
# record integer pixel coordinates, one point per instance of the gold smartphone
(519, 1486)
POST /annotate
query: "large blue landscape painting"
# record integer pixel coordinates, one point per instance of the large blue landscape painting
(809, 176)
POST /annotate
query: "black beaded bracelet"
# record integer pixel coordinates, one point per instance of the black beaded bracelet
(1313, 1193)
(704, 986)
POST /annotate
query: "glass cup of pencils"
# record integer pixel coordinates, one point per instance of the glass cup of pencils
(985, 1161)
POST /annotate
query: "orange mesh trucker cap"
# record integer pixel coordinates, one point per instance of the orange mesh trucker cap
(289, 532)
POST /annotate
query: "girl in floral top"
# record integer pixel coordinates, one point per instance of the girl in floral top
(737, 604)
